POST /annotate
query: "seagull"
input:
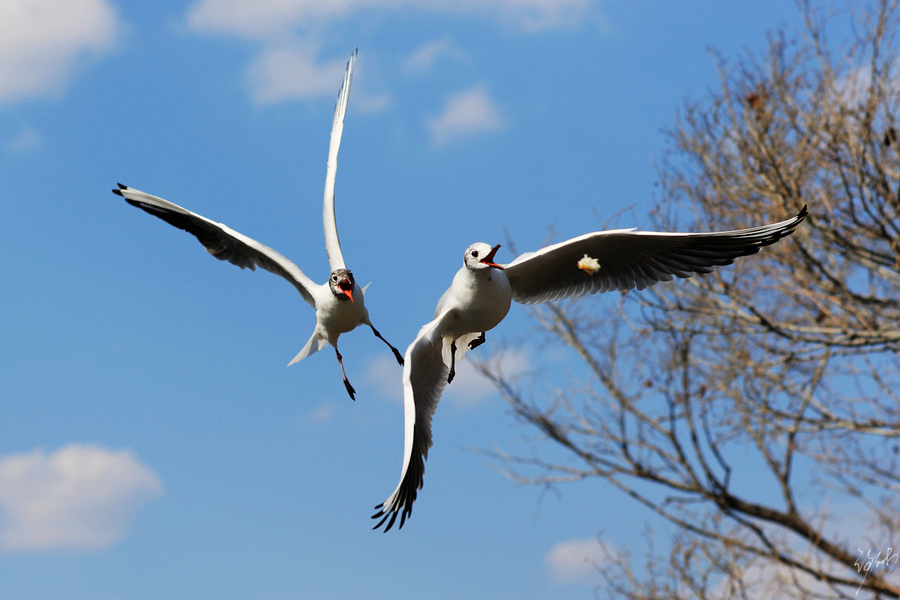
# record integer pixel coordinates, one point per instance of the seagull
(483, 290)
(339, 303)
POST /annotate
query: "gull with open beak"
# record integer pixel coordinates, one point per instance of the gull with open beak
(482, 292)
(339, 303)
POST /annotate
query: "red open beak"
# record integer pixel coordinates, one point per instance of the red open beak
(347, 287)
(489, 259)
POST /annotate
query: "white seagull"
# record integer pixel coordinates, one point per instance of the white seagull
(482, 291)
(339, 304)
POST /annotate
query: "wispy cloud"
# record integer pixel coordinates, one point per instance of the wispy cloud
(761, 580)
(424, 57)
(42, 42)
(467, 114)
(282, 72)
(574, 561)
(290, 72)
(79, 497)
(323, 413)
(469, 386)
(846, 520)
(373, 104)
(384, 374)
(260, 18)
(27, 140)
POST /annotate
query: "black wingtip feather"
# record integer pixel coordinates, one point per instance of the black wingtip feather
(391, 517)
(119, 192)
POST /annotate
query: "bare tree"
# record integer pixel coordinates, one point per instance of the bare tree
(756, 409)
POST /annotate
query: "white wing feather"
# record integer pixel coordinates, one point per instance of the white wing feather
(424, 379)
(332, 243)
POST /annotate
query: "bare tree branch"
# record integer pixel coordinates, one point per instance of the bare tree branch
(785, 367)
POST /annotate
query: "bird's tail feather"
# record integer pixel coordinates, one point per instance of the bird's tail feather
(314, 344)
(462, 346)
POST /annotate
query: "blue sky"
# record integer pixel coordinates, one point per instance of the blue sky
(152, 442)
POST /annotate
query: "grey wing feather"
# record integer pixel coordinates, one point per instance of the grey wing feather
(629, 259)
(221, 241)
(424, 379)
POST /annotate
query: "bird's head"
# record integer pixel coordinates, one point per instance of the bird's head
(481, 256)
(342, 284)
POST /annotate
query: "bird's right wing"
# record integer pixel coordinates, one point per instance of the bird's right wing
(332, 243)
(221, 241)
(624, 259)
(424, 379)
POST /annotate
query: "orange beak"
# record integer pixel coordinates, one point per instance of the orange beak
(489, 259)
(347, 287)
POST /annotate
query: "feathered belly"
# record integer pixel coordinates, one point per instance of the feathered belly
(343, 318)
(483, 314)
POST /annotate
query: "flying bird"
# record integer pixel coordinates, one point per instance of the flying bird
(483, 290)
(339, 303)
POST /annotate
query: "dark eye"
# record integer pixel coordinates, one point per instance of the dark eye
(474, 253)
(334, 277)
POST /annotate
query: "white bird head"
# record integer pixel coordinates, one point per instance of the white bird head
(342, 284)
(480, 256)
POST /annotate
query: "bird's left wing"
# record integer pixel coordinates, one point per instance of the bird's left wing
(424, 379)
(623, 259)
(221, 241)
(332, 243)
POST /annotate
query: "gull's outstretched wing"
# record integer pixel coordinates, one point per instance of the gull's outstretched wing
(332, 243)
(623, 259)
(424, 379)
(221, 241)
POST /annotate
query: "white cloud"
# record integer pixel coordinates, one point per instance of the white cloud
(423, 59)
(469, 386)
(280, 74)
(761, 580)
(574, 561)
(323, 413)
(79, 497)
(260, 18)
(43, 41)
(384, 374)
(467, 114)
(25, 141)
(291, 72)
(373, 104)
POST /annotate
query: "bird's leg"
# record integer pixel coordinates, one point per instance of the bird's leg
(477, 341)
(397, 354)
(347, 385)
(452, 361)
